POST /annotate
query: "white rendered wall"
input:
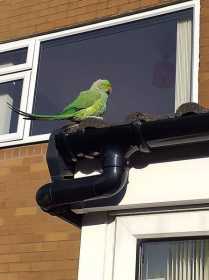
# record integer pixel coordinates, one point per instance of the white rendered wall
(164, 184)
(169, 183)
(108, 243)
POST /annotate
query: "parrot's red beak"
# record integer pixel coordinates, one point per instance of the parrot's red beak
(110, 90)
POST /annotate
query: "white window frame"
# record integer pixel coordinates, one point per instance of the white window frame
(34, 49)
(25, 76)
(108, 249)
(29, 44)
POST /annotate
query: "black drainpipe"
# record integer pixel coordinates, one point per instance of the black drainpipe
(58, 196)
(65, 193)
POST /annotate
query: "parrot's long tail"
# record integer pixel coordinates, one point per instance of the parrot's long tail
(28, 116)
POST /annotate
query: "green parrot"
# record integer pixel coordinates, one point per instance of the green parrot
(89, 103)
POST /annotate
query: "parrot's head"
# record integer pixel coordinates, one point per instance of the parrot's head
(104, 85)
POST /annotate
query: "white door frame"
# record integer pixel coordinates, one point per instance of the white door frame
(108, 247)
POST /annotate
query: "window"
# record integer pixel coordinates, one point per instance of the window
(173, 259)
(149, 58)
(13, 90)
(139, 58)
(16, 56)
(15, 65)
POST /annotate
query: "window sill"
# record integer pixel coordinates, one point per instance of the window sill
(26, 141)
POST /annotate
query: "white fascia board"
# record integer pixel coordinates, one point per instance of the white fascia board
(164, 184)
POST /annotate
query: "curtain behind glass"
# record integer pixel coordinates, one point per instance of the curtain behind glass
(188, 260)
(175, 260)
(183, 62)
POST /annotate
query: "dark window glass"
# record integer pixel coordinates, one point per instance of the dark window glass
(10, 92)
(139, 58)
(173, 259)
(13, 57)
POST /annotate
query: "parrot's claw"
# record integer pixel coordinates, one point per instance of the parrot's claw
(73, 128)
(96, 122)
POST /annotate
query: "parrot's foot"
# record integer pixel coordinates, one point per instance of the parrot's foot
(96, 122)
(72, 128)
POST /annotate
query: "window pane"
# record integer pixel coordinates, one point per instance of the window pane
(139, 58)
(175, 260)
(10, 92)
(13, 57)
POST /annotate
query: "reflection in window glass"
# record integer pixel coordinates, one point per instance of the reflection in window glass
(14, 57)
(139, 58)
(10, 92)
(174, 260)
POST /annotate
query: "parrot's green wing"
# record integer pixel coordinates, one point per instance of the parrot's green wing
(84, 100)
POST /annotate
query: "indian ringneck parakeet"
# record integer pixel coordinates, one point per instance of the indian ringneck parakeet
(89, 103)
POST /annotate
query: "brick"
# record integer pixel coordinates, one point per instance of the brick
(30, 247)
(52, 265)
(43, 148)
(9, 276)
(40, 166)
(20, 267)
(53, 3)
(55, 236)
(4, 171)
(87, 3)
(9, 258)
(24, 275)
(1, 221)
(4, 267)
(113, 3)
(47, 275)
(48, 256)
(28, 211)
(57, 15)
(2, 154)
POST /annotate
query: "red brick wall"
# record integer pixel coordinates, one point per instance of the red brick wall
(34, 245)
(204, 54)
(20, 18)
